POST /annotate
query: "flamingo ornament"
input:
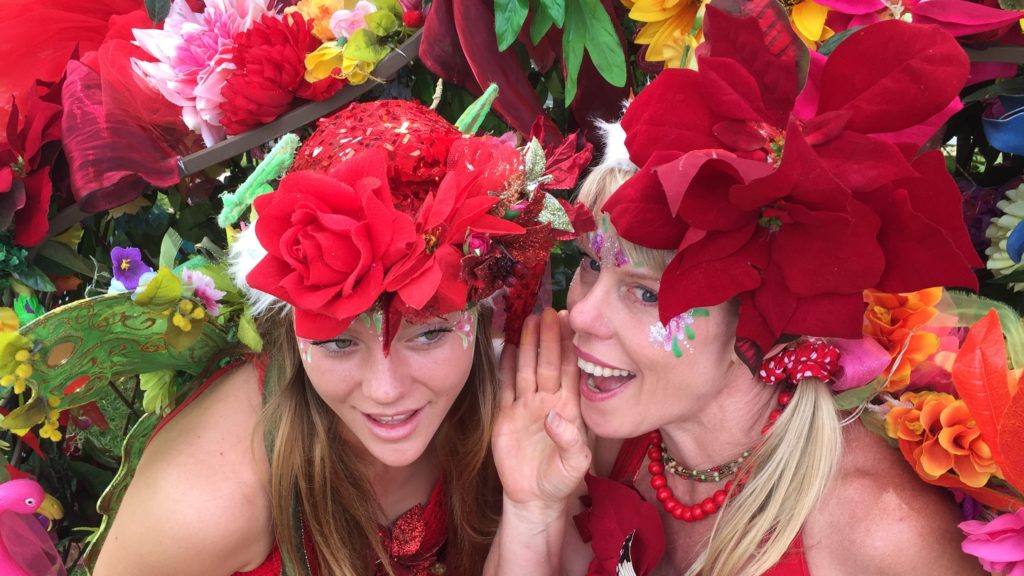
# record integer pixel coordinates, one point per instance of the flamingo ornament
(25, 548)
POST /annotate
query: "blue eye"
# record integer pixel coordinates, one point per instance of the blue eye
(591, 264)
(645, 295)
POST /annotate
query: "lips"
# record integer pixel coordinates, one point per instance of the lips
(393, 426)
(601, 381)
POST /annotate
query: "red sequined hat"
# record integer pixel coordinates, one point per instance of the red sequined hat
(792, 183)
(388, 206)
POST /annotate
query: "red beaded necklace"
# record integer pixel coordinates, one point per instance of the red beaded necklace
(710, 505)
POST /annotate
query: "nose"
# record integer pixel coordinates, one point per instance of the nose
(588, 306)
(385, 381)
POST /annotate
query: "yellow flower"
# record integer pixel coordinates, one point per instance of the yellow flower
(11, 343)
(324, 61)
(668, 28)
(8, 320)
(319, 12)
(808, 19)
(356, 71)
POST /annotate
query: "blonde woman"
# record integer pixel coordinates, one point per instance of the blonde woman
(358, 442)
(719, 450)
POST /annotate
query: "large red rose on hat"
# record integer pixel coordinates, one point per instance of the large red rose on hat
(329, 242)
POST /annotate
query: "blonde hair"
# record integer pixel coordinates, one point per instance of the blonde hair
(787, 473)
(314, 471)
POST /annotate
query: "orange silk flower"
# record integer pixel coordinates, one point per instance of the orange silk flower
(944, 436)
(895, 321)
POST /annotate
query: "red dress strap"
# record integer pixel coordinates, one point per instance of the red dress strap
(629, 461)
(793, 562)
(197, 392)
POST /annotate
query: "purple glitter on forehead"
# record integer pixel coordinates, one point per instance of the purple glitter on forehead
(597, 243)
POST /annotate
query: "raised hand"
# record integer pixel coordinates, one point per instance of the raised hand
(539, 441)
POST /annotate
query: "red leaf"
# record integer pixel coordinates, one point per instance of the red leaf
(517, 102)
(757, 34)
(979, 374)
(892, 76)
(1010, 455)
(439, 50)
(961, 18)
(640, 211)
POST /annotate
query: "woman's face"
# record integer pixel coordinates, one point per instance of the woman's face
(636, 373)
(393, 405)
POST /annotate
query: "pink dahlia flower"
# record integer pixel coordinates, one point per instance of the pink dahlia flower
(193, 53)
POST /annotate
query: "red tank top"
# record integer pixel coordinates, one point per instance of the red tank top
(626, 469)
(414, 541)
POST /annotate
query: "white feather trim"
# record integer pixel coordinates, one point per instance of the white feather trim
(243, 256)
(615, 153)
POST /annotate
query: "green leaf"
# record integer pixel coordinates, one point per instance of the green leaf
(159, 391)
(363, 45)
(169, 248)
(833, 42)
(158, 10)
(603, 43)
(588, 27)
(247, 333)
(854, 397)
(509, 17)
(382, 22)
(162, 292)
(540, 25)
(67, 257)
(34, 278)
(555, 9)
(1011, 4)
(392, 6)
(574, 40)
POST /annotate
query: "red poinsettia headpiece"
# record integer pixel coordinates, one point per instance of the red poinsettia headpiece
(793, 193)
(388, 205)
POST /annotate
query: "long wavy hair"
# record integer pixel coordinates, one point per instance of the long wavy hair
(786, 474)
(314, 471)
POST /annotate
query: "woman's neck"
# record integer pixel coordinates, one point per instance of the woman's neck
(724, 429)
(401, 488)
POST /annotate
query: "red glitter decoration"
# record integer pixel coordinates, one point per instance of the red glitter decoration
(416, 139)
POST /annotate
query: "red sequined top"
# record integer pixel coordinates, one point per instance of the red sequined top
(621, 523)
(414, 541)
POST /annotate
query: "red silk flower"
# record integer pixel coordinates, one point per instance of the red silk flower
(330, 241)
(269, 67)
(429, 277)
(795, 217)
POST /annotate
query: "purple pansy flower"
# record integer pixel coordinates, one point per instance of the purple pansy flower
(128, 266)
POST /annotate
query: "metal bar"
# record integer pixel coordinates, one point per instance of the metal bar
(300, 116)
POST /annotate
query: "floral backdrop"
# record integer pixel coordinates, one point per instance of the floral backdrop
(104, 100)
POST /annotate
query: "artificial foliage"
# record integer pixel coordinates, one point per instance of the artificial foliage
(92, 201)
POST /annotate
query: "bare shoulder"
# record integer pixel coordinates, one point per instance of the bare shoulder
(199, 501)
(878, 517)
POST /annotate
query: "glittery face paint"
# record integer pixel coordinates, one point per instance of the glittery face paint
(605, 245)
(678, 335)
(306, 350)
(375, 322)
(465, 328)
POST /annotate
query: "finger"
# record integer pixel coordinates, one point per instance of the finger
(549, 356)
(507, 376)
(572, 447)
(526, 363)
(570, 368)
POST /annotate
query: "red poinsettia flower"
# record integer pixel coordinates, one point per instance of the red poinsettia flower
(330, 240)
(425, 278)
(795, 217)
(33, 141)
